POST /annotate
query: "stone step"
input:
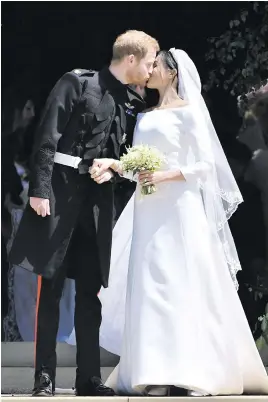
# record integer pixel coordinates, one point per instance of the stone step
(21, 354)
(19, 380)
(17, 374)
(136, 399)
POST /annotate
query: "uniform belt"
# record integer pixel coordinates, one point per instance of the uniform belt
(67, 160)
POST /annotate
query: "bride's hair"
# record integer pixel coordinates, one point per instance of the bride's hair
(169, 62)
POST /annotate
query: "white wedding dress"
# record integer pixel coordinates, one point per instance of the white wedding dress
(171, 311)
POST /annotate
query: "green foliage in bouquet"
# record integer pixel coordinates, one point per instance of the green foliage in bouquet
(140, 158)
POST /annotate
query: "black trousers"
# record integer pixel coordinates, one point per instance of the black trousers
(83, 256)
(4, 278)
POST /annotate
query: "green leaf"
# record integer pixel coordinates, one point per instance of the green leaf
(212, 75)
(264, 29)
(218, 43)
(244, 15)
(256, 6)
(243, 47)
(238, 43)
(262, 43)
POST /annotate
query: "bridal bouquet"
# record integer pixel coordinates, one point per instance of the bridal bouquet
(139, 158)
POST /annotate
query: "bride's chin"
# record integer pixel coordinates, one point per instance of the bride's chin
(148, 85)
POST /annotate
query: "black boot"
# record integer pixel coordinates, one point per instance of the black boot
(92, 387)
(43, 385)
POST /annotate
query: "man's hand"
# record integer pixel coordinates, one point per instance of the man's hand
(101, 166)
(103, 177)
(40, 205)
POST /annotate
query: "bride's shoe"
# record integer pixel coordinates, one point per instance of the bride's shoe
(157, 390)
(195, 393)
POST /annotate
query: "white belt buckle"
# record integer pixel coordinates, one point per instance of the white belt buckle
(67, 160)
(76, 162)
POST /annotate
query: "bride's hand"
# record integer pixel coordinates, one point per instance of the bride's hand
(100, 166)
(147, 178)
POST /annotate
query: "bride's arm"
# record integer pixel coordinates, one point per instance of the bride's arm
(188, 172)
(199, 155)
(184, 173)
(101, 166)
(117, 167)
(198, 170)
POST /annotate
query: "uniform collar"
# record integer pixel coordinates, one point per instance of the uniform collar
(118, 89)
(112, 82)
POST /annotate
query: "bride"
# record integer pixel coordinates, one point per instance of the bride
(171, 311)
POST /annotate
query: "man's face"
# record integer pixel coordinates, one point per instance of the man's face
(139, 71)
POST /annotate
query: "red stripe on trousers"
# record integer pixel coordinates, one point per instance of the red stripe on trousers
(39, 284)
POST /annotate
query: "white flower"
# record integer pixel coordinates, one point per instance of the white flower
(142, 157)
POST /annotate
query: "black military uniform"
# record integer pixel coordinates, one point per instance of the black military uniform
(85, 115)
(125, 188)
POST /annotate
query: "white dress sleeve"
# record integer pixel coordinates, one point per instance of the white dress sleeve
(129, 175)
(199, 157)
(126, 175)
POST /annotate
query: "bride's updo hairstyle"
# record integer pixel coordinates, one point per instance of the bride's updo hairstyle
(170, 63)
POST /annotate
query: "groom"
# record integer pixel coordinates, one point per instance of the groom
(66, 229)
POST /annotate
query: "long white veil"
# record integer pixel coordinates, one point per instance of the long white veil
(220, 191)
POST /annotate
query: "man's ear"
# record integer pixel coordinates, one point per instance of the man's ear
(131, 58)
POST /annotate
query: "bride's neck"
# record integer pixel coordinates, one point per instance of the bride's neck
(167, 96)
